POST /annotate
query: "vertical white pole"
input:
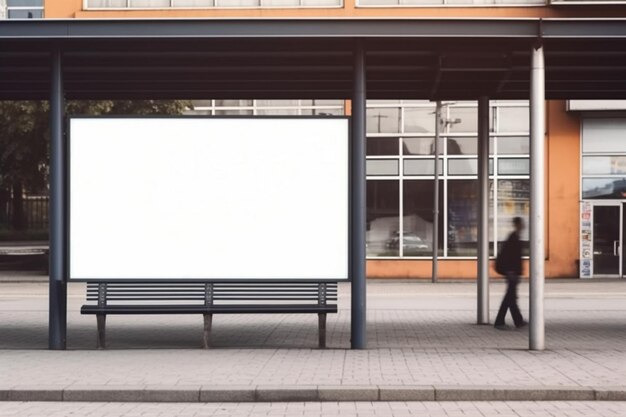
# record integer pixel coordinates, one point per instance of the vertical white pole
(483, 212)
(537, 195)
(438, 123)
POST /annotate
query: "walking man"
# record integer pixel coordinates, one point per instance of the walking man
(509, 264)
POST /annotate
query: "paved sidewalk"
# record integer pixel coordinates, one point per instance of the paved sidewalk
(423, 345)
(307, 409)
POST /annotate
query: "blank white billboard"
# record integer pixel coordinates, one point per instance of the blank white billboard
(208, 198)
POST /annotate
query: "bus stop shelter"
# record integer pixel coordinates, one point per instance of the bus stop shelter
(436, 59)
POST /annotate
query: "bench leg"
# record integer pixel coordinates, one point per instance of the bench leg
(206, 337)
(101, 339)
(321, 319)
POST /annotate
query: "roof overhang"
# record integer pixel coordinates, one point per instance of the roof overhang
(312, 58)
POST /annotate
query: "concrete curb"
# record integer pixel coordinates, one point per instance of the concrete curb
(286, 393)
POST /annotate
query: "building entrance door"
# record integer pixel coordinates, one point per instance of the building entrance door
(607, 245)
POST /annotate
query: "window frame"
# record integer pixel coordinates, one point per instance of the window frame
(86, 7)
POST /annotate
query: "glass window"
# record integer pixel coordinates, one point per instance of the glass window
(599, 188)
(383, 218)
(513, 145)
(513, 201)
(382, 146)
(383, 120)
(463, 120)
(382, 166)
(232, 112)
(462, 217)
(513, 119)
(420, 146)
(193, 3)
(278, 3)
(233, 103)
(604, 165)
(418, 217)
(107, 3)
(463, 146)
(25, 3)
(513, 166)
(604, 135)
(25, 14)
(419, 120)
(149, 3)
(237, 3)
(463, 166)
(277, 112)
(421, 167)
(328, 112)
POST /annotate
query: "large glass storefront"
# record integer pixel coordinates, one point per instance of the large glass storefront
(400, 169)
(603, 192)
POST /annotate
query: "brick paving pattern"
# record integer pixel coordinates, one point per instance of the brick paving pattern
(343, 409)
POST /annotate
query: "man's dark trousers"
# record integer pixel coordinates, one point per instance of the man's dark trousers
(510, 302)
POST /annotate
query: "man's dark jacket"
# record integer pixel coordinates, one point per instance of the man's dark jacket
(510, 257)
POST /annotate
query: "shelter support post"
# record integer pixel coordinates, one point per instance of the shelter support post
(358, 202)
(483, 212)
(439, 123)
(57, 324)
(537, 195)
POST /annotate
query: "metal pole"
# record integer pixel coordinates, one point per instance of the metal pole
(537, 192)
(57, 325)
(358, 201)
(483, 211)
(438, 123)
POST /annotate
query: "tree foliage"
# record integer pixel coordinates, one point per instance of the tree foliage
(25, 136)
(25, 139)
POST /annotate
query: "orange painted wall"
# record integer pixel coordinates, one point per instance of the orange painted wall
(563, 190)
(74, 9)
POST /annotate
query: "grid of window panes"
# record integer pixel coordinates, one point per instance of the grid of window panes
(400, 169)
(603, 158)
(164, 4)
(453, 3)
(24, 9)
(268, 107)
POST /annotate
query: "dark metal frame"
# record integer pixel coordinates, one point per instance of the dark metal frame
(68, 192)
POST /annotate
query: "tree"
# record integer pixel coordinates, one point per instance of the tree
(25, 138)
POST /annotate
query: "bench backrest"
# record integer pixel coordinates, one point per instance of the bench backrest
(165, 292)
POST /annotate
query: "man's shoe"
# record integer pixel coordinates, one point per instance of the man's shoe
(522, 324)
(501, 327)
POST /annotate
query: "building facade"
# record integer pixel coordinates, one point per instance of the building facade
(585, 145)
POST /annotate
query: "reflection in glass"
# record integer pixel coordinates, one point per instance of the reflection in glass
(232, 112)
(419, 120)
(513, 119)
(513, 201)
(382, 166)
(382, 146)
(418, 217)
(383, 217)
(514, 145)
(421, 166)
(462, 217)
(604, 165)
(462, 146)
(420, 146)
(514, 166)
(383, 120)
(604, 188)
(467, 119)
(604, 135)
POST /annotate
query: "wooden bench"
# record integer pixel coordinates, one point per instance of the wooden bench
(208, 298)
